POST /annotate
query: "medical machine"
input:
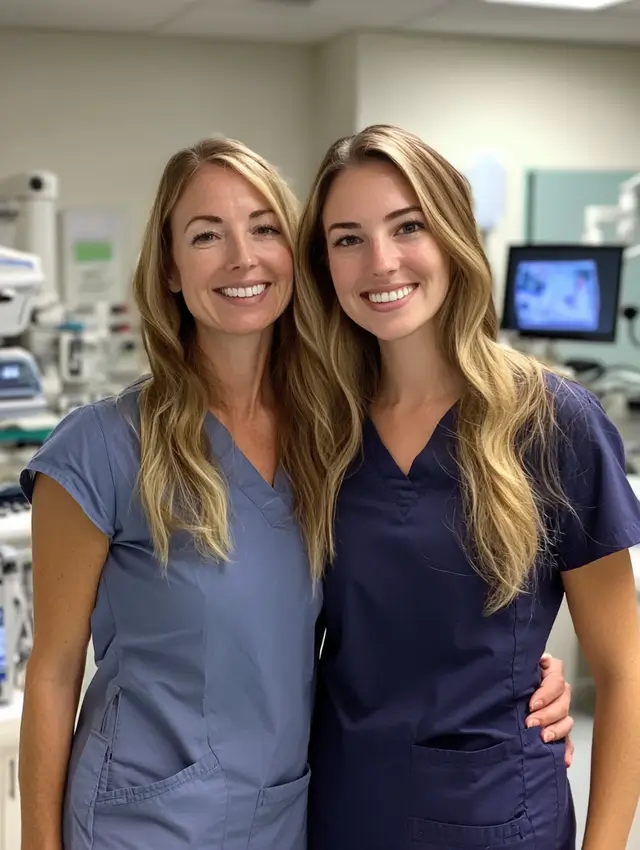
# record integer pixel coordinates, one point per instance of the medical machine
(21, 279)
(70, 329)
(563, 292)
(624, 218)
(16, 589)
(29, 201)
(16, 625)
(21, 393)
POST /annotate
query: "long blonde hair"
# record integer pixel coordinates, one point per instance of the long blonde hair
(505, 416)
(181, 486)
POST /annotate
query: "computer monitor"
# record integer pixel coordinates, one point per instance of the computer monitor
(568, 292)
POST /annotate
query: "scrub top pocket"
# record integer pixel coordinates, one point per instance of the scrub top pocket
(478, 798)
(281, 816)
(190, 806)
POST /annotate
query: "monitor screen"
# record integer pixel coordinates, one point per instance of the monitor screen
(563, 291)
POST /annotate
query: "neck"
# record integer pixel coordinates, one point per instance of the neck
(240, 365)
(415, 372)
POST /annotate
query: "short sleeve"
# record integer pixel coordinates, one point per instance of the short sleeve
(605, 515)
(76, 456)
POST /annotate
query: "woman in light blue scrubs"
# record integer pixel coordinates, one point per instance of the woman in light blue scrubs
(167, 525)
(478, 490)
(194, 730)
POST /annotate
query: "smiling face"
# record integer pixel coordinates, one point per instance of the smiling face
(390, 276)
(231, 260)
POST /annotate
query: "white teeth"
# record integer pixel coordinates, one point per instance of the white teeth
(244, 291)
(396, 295)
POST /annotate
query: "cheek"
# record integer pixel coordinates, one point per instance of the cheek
(433, 262)
(196, 269)
(344, 276)
(277, 261)
(285, 267)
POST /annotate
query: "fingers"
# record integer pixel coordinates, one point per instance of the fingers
(569, 750)
(557, 731)
(551, 666)
(552, 688)
(555, 700)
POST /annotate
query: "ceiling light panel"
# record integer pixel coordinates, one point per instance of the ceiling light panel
(577, 5)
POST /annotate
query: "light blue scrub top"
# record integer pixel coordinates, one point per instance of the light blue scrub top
(194, 730)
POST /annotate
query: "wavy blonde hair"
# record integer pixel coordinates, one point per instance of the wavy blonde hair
(181, 486)
(506, 415)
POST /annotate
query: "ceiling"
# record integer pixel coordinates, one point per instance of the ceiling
(313, 21)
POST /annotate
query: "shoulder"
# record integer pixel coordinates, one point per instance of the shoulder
(92, 454)
(571, 401)
(87, 437)
(98, 425)
(116, 414)
(581, 422)
(588, 441)
(601, 513)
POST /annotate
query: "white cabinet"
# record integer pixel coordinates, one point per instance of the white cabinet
(10, 800)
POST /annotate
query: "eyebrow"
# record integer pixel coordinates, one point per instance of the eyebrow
(354, 225)
(215, 219)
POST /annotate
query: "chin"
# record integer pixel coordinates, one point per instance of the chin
(249, 328)
(390, 330)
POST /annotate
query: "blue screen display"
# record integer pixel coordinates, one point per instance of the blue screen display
(563, 292)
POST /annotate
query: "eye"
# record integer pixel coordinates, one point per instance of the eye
(409, 227)
(204, 237)
(346, 241)
(267, 230)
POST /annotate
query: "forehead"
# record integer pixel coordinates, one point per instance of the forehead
(218, 190)
(368, 189)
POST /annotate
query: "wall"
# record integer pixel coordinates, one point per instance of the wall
(105, 112)
(536, 105)
(335, 92)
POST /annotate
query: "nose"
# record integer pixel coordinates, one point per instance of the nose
(384, 258)
(239, 254)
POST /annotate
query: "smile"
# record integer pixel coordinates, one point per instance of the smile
(243, 291)
(392, 295)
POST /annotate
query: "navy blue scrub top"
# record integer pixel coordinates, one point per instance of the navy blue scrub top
(419, 737)
(194, 730)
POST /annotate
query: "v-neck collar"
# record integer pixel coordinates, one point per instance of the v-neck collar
(405, 489)
(274, 502)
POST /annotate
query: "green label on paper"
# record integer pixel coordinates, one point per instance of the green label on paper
(91, 252)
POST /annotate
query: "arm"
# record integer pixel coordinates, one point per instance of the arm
(602, 601)
(68, 555)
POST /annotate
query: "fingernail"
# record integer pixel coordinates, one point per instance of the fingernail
(536, 705)
(547, 737)
(532, 721)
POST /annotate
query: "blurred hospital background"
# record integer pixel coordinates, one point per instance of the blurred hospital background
(538, 103)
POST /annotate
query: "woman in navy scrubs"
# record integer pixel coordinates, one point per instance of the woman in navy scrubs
(477, 489)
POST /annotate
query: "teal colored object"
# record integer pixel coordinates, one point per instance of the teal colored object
(14, 436)
(555, 202)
